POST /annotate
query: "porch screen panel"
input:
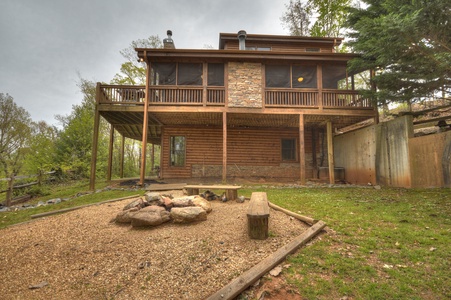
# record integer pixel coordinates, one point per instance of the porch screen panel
(164, 73)
(216, 74)
(189, 74)
(332, 75)
(277, 76)
(304, 77)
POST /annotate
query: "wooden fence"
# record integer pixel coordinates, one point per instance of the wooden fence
(11, 187)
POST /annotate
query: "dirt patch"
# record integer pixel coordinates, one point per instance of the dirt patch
(83, 255)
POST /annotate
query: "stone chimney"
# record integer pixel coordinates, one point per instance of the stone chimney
(168, 42)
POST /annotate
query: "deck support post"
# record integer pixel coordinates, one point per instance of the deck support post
(330, 152)
(142, 176)
(302, 150)
(121, 171)
(110, 154)
(224, 147)
(152, 158)
(95, 141)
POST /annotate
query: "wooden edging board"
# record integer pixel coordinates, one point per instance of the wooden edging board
(54, 212)
(239, 284)
(305, 219)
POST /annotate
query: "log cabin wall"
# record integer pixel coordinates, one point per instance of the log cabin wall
(252, 152)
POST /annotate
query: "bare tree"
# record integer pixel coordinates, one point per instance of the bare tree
(296, 18)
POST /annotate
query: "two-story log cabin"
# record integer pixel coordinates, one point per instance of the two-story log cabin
(259, 106)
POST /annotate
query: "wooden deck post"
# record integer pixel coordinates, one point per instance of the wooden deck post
(95, 140)
(152, 157)
(121, 171)
(302, 149)
(204, 83)
(224, 147)
(319, 78)
(110, 154)
(142, 177)
(330, 153)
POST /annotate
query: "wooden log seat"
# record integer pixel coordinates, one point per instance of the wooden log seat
(231, 190)
(257, 216)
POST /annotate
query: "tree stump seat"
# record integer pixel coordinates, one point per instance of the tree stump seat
(257, 216)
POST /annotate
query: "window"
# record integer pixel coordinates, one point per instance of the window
(287, 76)
(256, 48)
(177, 150)
(216, 74)
(289, 149)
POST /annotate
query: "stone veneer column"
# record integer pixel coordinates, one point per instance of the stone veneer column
(245, 85)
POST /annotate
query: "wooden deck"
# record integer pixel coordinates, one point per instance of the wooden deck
(215, 96)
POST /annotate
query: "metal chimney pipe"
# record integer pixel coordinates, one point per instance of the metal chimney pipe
(168, 42)
(242, 39)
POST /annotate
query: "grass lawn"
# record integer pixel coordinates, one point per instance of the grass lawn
(381, 244)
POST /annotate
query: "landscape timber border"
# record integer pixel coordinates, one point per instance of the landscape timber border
(239, 284)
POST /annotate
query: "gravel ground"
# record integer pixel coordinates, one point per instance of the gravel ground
(83, 255)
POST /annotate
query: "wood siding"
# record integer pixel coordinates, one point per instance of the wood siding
(248, 150)
(281, 47)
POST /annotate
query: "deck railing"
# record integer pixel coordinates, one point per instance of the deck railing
(345, 98)
(164, 95)
(122, 94)
(315, 98)
(292, 98)
(195, 95)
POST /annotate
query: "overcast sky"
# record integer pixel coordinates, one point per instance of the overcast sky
(45, 45)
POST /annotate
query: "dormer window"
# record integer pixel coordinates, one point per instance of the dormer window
(257, 48)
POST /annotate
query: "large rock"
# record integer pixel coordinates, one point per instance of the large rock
(125, 215)
(166, 202)
(201, 202)
(150, 216)
(188, 214)
(138, 203)
(152, 197)
(183, 202)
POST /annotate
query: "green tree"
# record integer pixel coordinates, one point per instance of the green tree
(41, 148)
(14, 135)
(407, 43)
(132, 71)
(74, 144)
(331, 16)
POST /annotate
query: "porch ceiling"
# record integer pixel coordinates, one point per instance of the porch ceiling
(129, 124)
(254, 120)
